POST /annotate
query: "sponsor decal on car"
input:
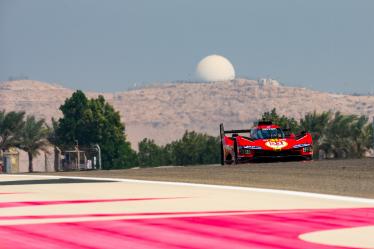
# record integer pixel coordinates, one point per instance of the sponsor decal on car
(276, 144)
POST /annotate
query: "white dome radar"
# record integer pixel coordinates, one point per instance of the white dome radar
(215, 68)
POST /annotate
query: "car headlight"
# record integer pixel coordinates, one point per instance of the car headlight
(252, 147)
(248, 149)
(307, 149)
(244, 151)
(297, 146)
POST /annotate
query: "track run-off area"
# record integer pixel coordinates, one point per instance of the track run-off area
(39, 211)
(241, 206)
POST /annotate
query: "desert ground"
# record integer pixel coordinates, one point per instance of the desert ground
(165, 111)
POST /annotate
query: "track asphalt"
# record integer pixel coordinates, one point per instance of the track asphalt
(338, 177)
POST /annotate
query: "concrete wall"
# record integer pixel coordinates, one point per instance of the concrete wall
(43, 162)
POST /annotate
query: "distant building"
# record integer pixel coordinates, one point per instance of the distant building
(9, 161)
(268, 82)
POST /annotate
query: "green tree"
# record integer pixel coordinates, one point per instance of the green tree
(108, 131)
(151, 155)
(282, 121)
(336, 138)
(316, 124)
(334, 133)
(195, 148)
(362, 135)
(11, 123)
(368, 136)
(33, 138)
(92, 122)
(72, 126)
(347, 136)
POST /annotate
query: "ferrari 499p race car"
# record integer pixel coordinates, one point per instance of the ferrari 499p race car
(264, 141)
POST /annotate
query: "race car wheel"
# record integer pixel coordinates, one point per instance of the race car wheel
(222, 155)
(235, 152)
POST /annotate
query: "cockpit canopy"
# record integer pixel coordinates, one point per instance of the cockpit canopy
(267, 133)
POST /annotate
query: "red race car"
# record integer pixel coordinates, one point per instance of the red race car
(264, 141)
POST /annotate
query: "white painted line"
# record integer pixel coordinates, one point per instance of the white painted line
(257, 190)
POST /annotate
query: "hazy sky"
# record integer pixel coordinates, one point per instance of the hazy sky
(110, 45)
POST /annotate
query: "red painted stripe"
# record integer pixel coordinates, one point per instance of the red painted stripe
(67, 202)
(203, 213)
(12, 193)
(28, 217)
(278, 229)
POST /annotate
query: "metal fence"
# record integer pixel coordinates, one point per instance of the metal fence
(78, 158)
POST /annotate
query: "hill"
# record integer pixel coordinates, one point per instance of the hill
(165, 111)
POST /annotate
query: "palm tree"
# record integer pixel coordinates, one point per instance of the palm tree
(338, 138)
(11, 124)
(281, 120)
(347, 135)
(361, 136)
(316, 124)
(34, 137)
(367, 136)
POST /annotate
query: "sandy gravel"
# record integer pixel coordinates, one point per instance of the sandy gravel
(341, 177)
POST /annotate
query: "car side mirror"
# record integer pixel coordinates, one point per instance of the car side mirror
(301, 134)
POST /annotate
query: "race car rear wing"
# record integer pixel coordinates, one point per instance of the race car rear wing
(222, 131)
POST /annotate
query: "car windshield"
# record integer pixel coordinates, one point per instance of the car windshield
(267, 133)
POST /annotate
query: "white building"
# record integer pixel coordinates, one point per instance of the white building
(268, 82)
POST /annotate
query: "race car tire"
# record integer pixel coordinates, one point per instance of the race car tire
(235, 151)
(222, 155)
